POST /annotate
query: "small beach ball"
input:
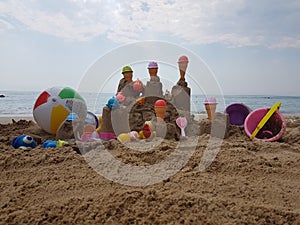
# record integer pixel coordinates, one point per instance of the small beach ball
(53, 106)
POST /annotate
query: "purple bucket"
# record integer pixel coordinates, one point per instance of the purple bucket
(271, 131)
(237, 113)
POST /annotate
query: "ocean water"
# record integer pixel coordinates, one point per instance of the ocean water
(18, 103)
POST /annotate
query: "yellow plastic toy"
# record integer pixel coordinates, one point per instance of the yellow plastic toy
(100, 124)
(60, 143)
(124, 137)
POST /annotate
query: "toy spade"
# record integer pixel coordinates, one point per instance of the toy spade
(181, 123)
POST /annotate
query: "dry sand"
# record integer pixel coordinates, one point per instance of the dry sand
(249, 182)
(6, 119)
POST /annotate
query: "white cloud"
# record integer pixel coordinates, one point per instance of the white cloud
(231, 22)
(287, 42)
(4, 25)
(76, 26)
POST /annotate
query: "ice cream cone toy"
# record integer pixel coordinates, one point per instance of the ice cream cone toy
(160, 108)
(183, 63)
(138, 86)
(120, 97)
(182, 124)
(140, 101)
(210, 106)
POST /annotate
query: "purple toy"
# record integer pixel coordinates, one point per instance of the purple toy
(237, 113)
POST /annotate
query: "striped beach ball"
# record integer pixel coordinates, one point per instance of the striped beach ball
(54, 105)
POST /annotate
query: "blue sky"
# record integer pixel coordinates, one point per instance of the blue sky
(252, 47)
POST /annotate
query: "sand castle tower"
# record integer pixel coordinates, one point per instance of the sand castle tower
(115, 118)
(153, 88)
(181, 93)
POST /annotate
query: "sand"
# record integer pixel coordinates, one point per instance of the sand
(6, 119)
(249, 182)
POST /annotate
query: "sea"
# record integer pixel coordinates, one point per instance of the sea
(20, 103)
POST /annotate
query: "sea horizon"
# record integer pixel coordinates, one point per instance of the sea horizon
(224, 94)
(20, 103)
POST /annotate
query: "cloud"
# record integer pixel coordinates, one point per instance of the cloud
(5, 25)
(234, 23)
(67, 24)
(287, 42)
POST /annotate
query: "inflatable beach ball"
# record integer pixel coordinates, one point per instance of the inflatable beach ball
(54, 105)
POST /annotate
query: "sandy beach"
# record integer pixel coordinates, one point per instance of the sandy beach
(7, 119)
(249, 182)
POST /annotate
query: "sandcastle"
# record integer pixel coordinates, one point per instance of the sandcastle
(137, 106)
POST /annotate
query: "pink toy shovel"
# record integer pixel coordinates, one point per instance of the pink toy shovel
(181, 123)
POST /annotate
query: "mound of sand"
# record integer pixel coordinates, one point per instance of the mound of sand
(249, 182)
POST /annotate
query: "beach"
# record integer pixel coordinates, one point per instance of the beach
(249, 182)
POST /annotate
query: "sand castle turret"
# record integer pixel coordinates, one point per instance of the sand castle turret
(181, 93)
(115, 118)
(153, 88)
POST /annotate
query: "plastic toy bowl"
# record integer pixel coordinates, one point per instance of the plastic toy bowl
(237, 113)
(271, 131)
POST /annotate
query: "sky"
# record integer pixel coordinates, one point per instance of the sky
(250, 47)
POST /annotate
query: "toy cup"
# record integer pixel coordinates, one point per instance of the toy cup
(160, 108)
(210, 106)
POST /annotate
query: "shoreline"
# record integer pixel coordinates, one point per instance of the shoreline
(8, 119)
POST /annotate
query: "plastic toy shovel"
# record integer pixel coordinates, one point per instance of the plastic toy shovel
(181, 123)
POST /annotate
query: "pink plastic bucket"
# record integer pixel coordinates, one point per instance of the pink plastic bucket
(271, 131)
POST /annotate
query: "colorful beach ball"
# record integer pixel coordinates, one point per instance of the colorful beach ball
(54, 105)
